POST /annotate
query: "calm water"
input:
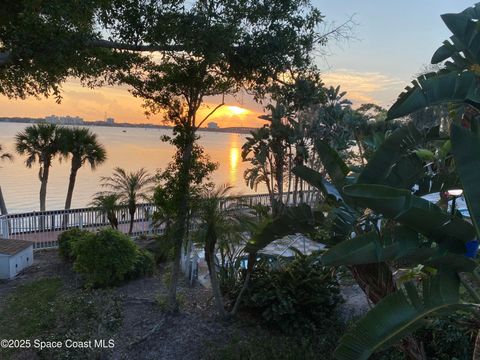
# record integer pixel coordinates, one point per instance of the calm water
(130, 150)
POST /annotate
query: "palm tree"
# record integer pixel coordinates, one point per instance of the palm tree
(108, 205)
(217, 225)
(130, 187)
(3, 156)
(40, 143)
(82, 145)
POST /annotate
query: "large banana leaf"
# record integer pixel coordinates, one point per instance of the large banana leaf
(393, 149)
(315, 179)
(336, 168)
(399, 314)
(401, 244)
(299, 219)
(466, 151)
(451, 233)
(437, 88)
(465, 41)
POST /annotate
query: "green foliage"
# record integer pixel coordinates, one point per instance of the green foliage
(261, 345)
(105, 258)
(401, 313)
(457, 80)
(67, 241)
(144, 264)
(301, 297)
(449, 338)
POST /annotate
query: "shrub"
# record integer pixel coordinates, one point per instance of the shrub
(144, 264)
(301, 297)
(105, 258)
(66, 241)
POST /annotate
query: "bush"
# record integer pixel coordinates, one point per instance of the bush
(301, 297)
(144, 264)
(66, 241)
(105, 258)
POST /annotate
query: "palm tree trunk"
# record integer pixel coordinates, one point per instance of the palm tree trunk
(71, 186)
(217, 293)
(132, 218)
(3, 207)
(43, 187)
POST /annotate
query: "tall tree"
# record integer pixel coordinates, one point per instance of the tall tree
(40, 143)
(83, 147)
(130, 187)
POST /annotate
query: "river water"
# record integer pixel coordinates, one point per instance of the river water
(129, 148)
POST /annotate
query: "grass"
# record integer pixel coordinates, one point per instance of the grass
(30, 309)
(48, 311)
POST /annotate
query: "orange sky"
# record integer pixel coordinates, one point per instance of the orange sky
(118, 103)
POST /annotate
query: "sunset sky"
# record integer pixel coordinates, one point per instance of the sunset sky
(393, 41)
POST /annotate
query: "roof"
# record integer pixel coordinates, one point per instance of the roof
(12, 247)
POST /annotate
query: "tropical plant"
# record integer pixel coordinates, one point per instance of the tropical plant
(40, 143)
(298, 298)
(457, 81)
(83, 147)
(418, 233)
(108, 205)
(129, 187)
(217, 223)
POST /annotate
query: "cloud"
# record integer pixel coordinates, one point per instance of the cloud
(365, 87)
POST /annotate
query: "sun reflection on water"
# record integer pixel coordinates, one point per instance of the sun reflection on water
(234, 158)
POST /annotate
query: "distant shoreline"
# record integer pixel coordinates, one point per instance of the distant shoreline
(21, 120)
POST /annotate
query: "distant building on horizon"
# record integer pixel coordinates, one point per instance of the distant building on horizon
(213, 125)
(64, 120)
(110, 121)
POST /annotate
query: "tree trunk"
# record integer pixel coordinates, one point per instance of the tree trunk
(3, 207)
(180, 223)
(43, 187)
(71, 185)
(132, 218)
(217, 293)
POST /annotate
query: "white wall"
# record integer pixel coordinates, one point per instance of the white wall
(4, 267)
(20, 261)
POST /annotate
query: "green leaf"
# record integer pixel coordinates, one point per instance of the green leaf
(401, 313)
(421, 215)
(437, 89)
(466, 151)
(315, 179)
(368, 248)
(299, 219)
(336, 168)
(392, 150)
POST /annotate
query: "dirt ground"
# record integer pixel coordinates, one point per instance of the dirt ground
(146, 332)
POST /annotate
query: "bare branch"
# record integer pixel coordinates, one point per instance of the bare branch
(211, 112)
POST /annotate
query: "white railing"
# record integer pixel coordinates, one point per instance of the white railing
(44, 227)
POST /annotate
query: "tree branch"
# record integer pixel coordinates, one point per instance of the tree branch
(107, 44)
(211, 112)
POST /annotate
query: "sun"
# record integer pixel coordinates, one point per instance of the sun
(235, 110)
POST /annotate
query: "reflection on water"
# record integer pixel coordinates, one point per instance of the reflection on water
(234, 158)
(130, 150)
